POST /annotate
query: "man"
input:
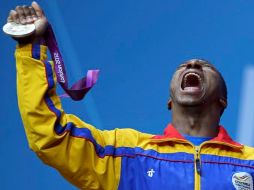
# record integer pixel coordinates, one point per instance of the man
(195, 152)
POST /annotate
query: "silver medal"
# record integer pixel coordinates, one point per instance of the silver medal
(18, 30)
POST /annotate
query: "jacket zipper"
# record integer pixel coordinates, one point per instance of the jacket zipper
(197, 160)
(197, 163)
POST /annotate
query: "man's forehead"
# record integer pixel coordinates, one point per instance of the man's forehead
(202, 62)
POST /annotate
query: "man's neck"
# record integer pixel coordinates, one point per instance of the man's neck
(196, 121)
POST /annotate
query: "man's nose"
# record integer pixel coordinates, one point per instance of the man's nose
(194, 64)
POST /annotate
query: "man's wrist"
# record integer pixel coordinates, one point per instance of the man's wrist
(40, 41)
(30, 39)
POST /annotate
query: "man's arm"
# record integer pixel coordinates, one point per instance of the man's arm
(75, 148)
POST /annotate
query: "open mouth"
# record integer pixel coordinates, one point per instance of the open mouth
(191, 82)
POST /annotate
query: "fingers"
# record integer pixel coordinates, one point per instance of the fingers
(38, 10)
(21, 14)
(33, 14)
(28, 15)
(12, 16)
(25, 14)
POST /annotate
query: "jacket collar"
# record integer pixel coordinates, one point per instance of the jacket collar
(171, 134)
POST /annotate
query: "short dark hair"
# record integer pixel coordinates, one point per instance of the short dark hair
(224, 89)
(224, 86)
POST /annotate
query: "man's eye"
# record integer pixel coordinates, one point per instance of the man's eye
(181, 66)
(209, 66)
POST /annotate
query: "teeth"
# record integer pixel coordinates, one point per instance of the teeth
(189, 74)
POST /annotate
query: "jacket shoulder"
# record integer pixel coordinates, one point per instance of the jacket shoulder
(248, 152)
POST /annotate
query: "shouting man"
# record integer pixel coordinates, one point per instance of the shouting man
(194, 152)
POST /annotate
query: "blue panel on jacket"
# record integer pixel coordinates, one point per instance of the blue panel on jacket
(150, 173)
(221, 169)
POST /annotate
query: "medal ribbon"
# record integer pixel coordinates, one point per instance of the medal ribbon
(79, 89)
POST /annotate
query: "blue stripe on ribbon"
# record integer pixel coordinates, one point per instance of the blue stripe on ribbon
(36, 51)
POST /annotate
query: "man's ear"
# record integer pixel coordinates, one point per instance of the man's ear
(169, 104)
(223, 103)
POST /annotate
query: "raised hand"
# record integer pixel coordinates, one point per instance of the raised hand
(28, 15)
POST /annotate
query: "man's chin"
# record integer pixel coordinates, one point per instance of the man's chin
(190, 102)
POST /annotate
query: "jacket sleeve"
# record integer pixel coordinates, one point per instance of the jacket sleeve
(76, 149)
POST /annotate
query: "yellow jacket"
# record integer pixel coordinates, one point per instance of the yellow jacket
(122, 158)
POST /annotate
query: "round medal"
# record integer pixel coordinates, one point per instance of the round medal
(18, 30)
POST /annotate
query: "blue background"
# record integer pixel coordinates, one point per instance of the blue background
(137, 46)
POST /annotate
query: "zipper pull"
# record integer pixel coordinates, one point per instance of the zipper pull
(197, 161)
(198, 166)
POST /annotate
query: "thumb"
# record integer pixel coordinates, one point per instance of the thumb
(38, 10)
